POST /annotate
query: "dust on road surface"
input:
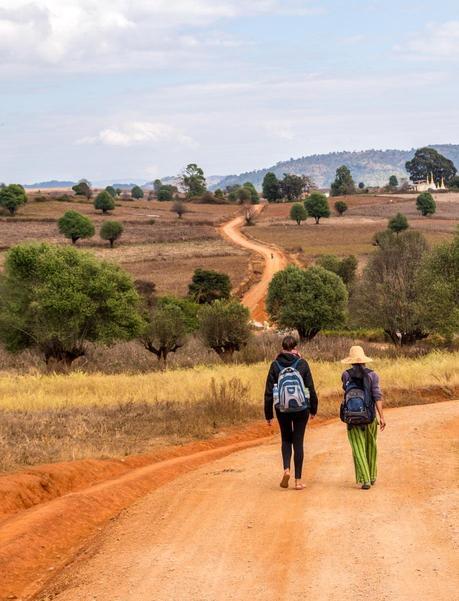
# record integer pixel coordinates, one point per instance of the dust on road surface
(275, 260)
(228, 532)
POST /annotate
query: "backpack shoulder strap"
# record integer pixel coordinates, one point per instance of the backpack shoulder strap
(297, 362)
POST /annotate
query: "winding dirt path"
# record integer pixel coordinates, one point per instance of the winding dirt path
(275, 260)
(227, 532)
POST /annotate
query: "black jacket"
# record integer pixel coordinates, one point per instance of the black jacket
(286, 360)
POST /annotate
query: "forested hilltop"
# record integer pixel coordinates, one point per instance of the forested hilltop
(373, 167)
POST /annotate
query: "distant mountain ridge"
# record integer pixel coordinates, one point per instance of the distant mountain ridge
(53, 183)
(373, 167)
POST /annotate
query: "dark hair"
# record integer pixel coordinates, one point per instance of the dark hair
(289, 343)
(359, 370)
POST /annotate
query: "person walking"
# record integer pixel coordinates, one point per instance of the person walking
(290, 388)
(363, 397)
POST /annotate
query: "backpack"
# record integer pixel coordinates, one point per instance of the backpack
(358, 407)
(292, 395)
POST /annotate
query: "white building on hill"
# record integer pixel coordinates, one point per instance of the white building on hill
(429, 184)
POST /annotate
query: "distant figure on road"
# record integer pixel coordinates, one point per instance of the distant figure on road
(290, 388)
(362, 398)
(272, 256)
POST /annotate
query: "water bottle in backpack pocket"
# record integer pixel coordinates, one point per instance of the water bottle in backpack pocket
(292, 395)
(357, 408)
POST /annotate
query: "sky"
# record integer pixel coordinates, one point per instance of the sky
(123, 90)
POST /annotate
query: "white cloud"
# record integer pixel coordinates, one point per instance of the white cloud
(437, 41)
(139, 132)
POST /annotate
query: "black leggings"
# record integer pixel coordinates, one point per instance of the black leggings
(292, 427)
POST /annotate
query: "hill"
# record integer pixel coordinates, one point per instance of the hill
(49, 185)
(373, 167)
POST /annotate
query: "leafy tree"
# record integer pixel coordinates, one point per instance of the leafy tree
(254, 196)
(118, 191)
(307, 300)
(180, 208)
(166, 330)
(207, 286)
(454, 182)
(298, 213)
(219, 194)
(165, 193)
(340, 207)
(111, 190)
(271, 188)
(316, 205)
(426, 204)
(56, 299)
(111, 231)
(137, 192)
(157, 185)
(426, 161)
(244, 195)
(74, 225)
(12, 197)
(193, 181)
(387, 295)
(188, 307)
(393, 181)
(438, 288)
(344, 183)
(104, 202)
(346, 268)
(398, 223)
(293, 186)
(83, 188)
(224, 326)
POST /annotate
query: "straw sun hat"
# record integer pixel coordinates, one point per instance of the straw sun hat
(356, 355)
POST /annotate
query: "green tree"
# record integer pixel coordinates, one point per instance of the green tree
(104, 202)
(207, 286)
(307, 300)
(344, 183)
(398, 223)
(137, 192)
(224, 326)
(316, 205)
(426, 204)
(254, 196)
(271, 188)
(56, 299)
(165, 193)
(393, 181)
(74, 225)
(244, 195)
(454, 183)
(193, 181)
(293, 186)
(157, 185)
(346, 268)
(387, 296)
(298, 213)
(188, 307)
(83, 188)
(428, 161)
(219, 194)
(166, 330)
(111, 190)
(340, 207)
(111, 231)
(12, 197)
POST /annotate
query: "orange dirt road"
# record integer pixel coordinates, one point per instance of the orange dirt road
(275, 260)
(227, 532)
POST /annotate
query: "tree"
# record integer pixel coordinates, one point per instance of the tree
(74, 225)
(343, 184)
(207, 286)
(298, 213)
(165, 331)
(307, 300)
(83, 188)
(426, 204)
(224, 326)
(111, 190)
(56, 299)
(104, 202)
(340, 207)
(243, 195)
(316, 205)
(398, 223)
(387, 295)
(428, 161)
(345, 268)
(180, 208)
(438, 288)
(254, 196)
(12, 197)
(188, 307)
(165, 193)
(111, 231)
(137, 192)
(293, 186)
(271, 188)
(393, 181)
(157, 185)
(193, 181)
(219, 194)
(454, 182)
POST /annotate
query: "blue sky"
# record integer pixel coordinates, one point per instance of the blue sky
(117, 89)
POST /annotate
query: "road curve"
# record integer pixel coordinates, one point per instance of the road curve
(227, 532)
(275, 260)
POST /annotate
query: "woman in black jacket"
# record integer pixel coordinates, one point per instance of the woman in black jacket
(292, 425)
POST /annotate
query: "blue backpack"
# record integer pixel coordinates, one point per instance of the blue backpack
(292, 395)
(358, 407)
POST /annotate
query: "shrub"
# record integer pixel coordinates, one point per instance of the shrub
(316, 205)
(165, 331)
(207, 286)
(111, 231)
(398, 223)
(111, 190)
(340, 207)
(74, 225)
(137, 192)
(12, 197)
(426, 204)
(298, 213)
(165, 193)
(82, 188)
(180, 208)
(224, 326)
(104, 202)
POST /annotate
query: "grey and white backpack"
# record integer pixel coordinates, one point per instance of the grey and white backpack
(293, 396)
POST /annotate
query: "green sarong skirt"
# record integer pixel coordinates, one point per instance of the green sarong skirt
(364, 451)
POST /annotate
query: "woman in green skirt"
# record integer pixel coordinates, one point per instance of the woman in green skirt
(363, 438)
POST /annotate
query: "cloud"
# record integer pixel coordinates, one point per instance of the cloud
(437, 41)
(138, 132)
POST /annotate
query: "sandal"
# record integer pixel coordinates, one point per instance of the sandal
(285, 480)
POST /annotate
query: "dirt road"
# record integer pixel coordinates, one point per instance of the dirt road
(227, 532)
(275, 260)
